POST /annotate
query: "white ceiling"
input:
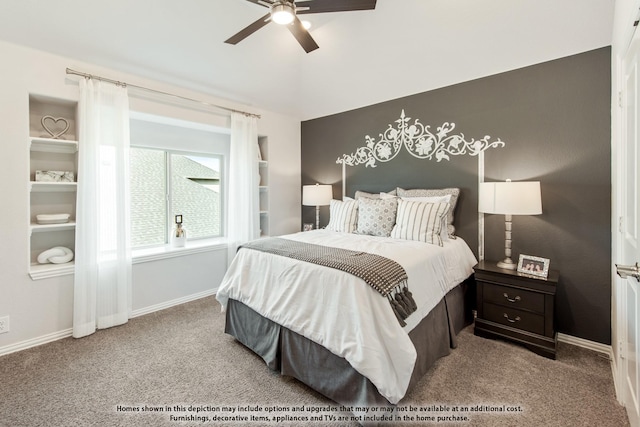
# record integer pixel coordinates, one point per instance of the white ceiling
(400, 48)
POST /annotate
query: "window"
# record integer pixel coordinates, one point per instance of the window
(165, 183)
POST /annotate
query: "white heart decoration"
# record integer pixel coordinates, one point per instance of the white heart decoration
(55, 134)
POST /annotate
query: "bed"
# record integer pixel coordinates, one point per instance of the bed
(329, 328)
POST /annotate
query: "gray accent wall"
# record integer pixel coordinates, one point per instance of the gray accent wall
(555, 120)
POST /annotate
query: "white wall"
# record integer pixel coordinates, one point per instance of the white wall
(41, 310)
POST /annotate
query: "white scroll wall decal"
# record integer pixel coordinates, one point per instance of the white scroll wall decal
(419, 141)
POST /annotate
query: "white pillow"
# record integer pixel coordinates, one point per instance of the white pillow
(420, 221)
(429, 199)
(444, 235)
(453, 192)
(360, 194)
(343, 216)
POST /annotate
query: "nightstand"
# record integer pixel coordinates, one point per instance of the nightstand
(516, 307)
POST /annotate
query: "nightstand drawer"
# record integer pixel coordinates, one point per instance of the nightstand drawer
(514, 298)
(515, 318)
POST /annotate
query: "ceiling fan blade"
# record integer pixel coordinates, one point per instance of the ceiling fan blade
(321, 6)
(247, 31)
(302, 35)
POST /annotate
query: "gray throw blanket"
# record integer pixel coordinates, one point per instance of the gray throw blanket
(382, 274)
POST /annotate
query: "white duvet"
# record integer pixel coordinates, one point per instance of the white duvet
(340, 311)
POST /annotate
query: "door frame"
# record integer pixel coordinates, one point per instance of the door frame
(618, 289)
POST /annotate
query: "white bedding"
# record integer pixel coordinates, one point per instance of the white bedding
(340, 311)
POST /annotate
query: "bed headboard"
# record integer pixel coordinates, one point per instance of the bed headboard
(411, 145)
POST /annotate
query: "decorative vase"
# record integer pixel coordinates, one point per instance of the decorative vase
(179, 234)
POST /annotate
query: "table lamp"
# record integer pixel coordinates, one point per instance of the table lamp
(317, 195)
(509, 198)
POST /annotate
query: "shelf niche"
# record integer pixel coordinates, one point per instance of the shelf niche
(263, 190)
(47, 153)
(41, 106)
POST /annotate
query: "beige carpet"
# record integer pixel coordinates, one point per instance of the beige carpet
(179, 360)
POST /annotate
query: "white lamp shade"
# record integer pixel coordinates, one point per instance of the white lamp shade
(510, 198)
(316, 195)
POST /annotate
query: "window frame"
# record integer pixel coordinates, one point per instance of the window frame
(195, 242)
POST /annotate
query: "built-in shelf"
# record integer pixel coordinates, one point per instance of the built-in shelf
(50, 145)
(53, 187)
(263, 188)
(46, 198)
(35, 228)
(44, 271)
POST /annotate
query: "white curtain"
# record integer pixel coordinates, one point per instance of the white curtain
(244, 206)
(102, 284)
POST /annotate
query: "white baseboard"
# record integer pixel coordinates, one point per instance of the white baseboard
(34, 342)
(604, 349)
(54, 336)
(167, 304)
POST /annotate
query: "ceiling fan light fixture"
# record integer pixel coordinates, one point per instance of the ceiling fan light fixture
(283, 12)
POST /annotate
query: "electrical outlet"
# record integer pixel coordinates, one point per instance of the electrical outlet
(4, 324)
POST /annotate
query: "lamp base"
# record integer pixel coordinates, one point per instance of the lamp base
(507, 264)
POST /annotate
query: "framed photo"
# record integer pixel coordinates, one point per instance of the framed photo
(308, 226)
(533, 266)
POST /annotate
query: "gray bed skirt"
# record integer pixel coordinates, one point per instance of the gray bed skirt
(294, 355)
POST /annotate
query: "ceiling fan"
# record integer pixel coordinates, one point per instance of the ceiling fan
(284, 12)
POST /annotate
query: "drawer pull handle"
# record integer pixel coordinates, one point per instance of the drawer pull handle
(517, 298)
(517, 319)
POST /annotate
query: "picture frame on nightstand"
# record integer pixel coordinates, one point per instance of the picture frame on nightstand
(533, 266)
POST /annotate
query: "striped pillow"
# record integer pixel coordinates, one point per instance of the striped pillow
(454, 192)
(343, 216)
(444, 234)
(420, 221)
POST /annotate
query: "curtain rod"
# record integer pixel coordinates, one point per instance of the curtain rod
(116, 82)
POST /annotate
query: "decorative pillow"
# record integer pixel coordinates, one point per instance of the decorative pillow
(376, 216)
(388, 195)
(432, 199)
(420, 221)
(444, 234)
(362, 194)
(343, 216)
(452, 192)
